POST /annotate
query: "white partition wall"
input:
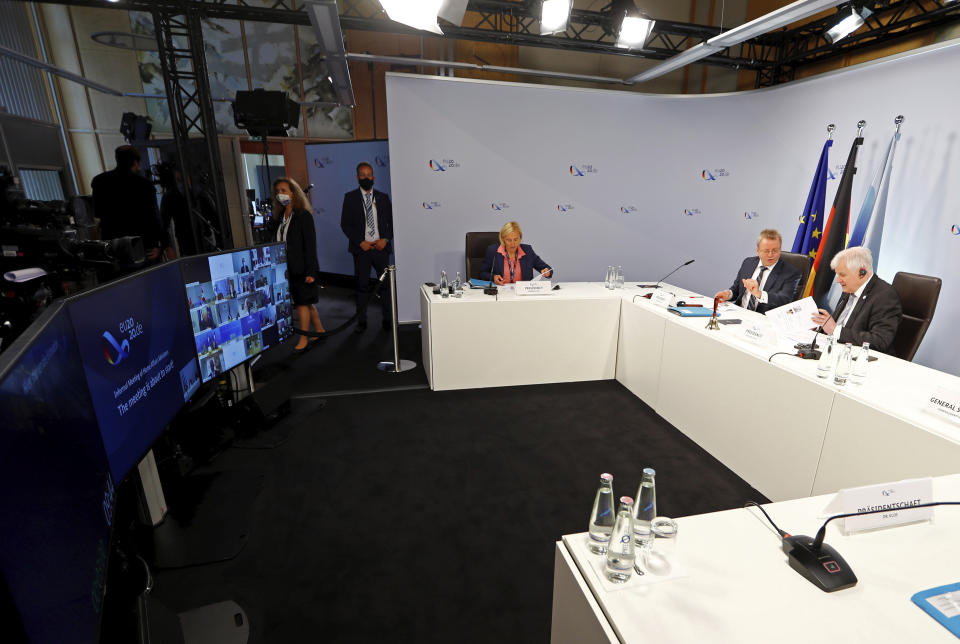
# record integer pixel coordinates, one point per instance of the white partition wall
(598, 177)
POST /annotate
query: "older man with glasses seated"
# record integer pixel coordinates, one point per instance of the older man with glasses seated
(763, 282)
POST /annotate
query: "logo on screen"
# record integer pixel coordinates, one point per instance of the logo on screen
(381, 161)
(497, 206)
(582, 170)
(628, 209)
(115, 351)
(707, 176)
(955, 229)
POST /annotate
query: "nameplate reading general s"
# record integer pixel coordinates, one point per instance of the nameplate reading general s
(895, 499)
(946, 402)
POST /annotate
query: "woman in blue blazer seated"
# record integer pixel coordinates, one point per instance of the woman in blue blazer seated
(511, 261)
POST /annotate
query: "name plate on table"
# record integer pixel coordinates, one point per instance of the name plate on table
(756, 334)
(894, 498)
(662, 298)
(946, 402)
(534, 287)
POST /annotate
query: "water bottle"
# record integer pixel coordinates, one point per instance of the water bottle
(608, 280)
(646, 508)
(842, 370)
(444, 285)
(826, 359)
(859, 372)
(602, 517)
(458, 286)
(620, 553)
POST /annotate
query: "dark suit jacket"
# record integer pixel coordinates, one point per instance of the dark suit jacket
(875, 319)
(126, 204)
(494, 260)
(353, 222)
(302, 247)
(781, 284)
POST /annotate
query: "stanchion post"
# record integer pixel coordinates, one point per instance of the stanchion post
(398, 365)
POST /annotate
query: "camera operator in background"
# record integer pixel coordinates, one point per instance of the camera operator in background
(126, 204)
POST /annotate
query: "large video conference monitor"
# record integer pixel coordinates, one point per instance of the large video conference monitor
(58, 496)
(137, 353)
(239, 305)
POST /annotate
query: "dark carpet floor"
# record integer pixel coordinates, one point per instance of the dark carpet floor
(420, 516)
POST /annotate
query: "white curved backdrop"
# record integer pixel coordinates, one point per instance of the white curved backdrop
(648, 181)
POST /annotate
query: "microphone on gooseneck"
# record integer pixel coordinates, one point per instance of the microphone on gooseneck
(490, 289)
(810, 351)
(660, 281)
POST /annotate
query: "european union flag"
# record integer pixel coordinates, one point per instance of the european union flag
(811, 221)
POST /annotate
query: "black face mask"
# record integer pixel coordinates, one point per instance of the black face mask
(366, 184)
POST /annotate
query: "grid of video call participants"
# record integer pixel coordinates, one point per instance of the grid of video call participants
(241, 309)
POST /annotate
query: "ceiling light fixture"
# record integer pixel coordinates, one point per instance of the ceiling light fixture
(554, 15)
(852, 20)
(419, 14)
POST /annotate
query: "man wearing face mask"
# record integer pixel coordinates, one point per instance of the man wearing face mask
(367, 221)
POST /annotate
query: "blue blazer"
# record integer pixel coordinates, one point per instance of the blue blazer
(493, 262)
(781, 286)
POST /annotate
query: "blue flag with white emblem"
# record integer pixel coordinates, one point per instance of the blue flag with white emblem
(811, 221)
(868, 230)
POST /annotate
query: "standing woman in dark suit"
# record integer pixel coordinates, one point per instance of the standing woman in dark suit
(511, 261)
(294, 218)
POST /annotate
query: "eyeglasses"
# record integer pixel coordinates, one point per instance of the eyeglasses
(773, 251)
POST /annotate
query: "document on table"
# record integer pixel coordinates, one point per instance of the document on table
(793, 321)
(943, 604)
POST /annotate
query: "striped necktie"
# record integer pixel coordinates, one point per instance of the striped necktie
(368, 210)
(752, 305)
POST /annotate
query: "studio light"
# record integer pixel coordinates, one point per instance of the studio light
(634, 31)
(325, 19)
(852, 20)
(419, 15)
(554, 15)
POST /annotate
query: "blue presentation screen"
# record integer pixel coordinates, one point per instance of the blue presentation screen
(239, 305)
(137, 353)
(56, 506)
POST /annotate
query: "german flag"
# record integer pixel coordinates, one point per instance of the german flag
(833, 238)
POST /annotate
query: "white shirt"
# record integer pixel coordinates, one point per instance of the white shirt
(745, 300)
(848, 309)
(284, 227)
(368, 234)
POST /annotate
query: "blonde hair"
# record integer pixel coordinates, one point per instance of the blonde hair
(510, 227)
(298, 199)
(769, 233)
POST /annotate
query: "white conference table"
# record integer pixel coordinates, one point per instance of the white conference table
(739, 587)
(490, 341)
(772, 421)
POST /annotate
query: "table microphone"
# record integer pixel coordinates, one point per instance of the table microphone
(660, 281)
(490, 289)
(809, 351)
(821, 564)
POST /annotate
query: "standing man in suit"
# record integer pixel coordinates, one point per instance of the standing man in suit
(367, 221)
(764, 282)
(869, 309)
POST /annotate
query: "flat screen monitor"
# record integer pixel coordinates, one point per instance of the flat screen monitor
(239, 305)
(56, 507)
(137, 353)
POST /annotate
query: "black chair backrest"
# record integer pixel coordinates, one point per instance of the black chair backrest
(802, 263)
(477, 244)
(918, 297)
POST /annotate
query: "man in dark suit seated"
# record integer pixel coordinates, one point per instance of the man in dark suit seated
(869, 309)
(764, 282)
(367, 221)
